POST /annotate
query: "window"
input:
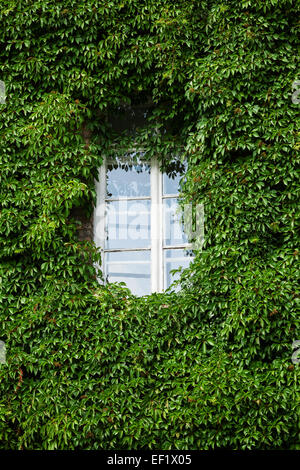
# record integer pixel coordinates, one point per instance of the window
(137, 224)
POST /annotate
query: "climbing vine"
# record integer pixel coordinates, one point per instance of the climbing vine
(91, 366)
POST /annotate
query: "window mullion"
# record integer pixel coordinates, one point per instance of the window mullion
(160, 226)
(99, 212)
(156, 226)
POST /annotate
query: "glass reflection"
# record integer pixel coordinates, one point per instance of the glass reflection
(173, 173)
(128, 224)
(128, 176)
(131, 267)
(173, 259)
(173, 225)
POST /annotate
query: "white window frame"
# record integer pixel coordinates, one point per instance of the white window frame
(156, 247)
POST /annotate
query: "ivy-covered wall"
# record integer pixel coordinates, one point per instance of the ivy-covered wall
(93, 367)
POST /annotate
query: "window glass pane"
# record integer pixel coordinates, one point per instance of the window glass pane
(173, 259)
(173, 226)
(173, 173)
(128, 176)
(132, 267)
(128, 224)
